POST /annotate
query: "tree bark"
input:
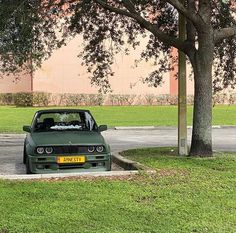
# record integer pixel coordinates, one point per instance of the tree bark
(202, 112)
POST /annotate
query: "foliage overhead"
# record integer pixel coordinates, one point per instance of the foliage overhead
(130, 21)
(225, 51)
(28, 34)
(32, 29)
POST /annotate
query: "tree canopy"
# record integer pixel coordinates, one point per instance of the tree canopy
(28, 34)
(28, 30)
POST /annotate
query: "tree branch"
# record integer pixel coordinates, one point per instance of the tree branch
(129, 5)
(205, 11)
(194, 18)
(191, 30)
(224, 33)
(171, 41)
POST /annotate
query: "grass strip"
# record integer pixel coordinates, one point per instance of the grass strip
(185, 195)
(13, 118)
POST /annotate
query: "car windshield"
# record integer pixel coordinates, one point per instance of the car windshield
(61, 121)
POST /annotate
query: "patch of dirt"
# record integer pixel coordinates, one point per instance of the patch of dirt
(87, 178)
(4, 231)
(143, 177)
(171, 172)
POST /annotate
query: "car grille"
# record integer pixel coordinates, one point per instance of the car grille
(70, 166)
(70, 149)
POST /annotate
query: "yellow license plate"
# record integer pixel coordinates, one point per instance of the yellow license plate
(71, 159)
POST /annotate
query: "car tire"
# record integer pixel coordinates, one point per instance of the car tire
(27, 166)
(24, 154)
(110, 164)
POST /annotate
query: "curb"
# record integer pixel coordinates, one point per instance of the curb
(145, 128)
(10, 135)
(134, 127)
(213, 127)
(227, 126)
(164, 127)
(128, 164)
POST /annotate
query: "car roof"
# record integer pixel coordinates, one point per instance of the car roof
(53, 110)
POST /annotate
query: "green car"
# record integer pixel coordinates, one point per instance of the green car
(65, 140)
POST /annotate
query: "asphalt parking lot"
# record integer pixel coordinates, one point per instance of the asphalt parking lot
(11, 145)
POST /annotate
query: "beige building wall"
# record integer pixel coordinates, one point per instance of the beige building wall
(63, 73)
(13, 84)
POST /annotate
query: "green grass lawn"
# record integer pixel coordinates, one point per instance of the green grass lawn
(185, 195)
(12, 118)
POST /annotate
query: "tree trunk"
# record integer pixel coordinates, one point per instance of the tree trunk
(202, 112)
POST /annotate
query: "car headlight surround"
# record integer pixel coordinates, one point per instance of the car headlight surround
(40, 150)
(91, 149)
(99, 149)
(49, 150)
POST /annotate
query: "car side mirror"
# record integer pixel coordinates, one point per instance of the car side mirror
(102, 128)
(27, 128)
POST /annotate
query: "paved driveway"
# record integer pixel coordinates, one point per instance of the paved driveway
(11, 146)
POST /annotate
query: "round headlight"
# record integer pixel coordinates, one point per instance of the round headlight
(91, 149)
(49, 150)
(40, 150)
(99, 149)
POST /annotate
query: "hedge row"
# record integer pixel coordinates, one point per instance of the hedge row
(43, 99)
(24, 99)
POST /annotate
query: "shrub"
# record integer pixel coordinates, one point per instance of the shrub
(173, 99)
(139, 100)
(54, 99)
(74, 99)
(6, 99)
(121, 99)
(232, 99)
(167, 99)
(162, 100)
(219, 98)
(190, 99)
(113, 99)
(61, 100)
(150, 98)
(23, 99)
(100, 99)
(41, 99)
(94, 100)
(129, 99)
(68, 99)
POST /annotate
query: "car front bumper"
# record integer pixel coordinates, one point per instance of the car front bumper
(48, 164)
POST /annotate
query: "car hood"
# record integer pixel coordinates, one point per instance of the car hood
(67, 138)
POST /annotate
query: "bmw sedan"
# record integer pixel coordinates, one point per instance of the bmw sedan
(65, 140)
